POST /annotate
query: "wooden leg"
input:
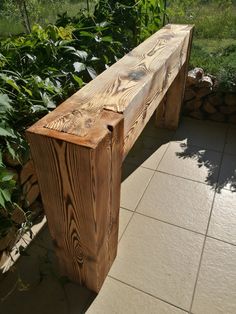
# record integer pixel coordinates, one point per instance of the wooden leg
(168, 112)
(80, 189)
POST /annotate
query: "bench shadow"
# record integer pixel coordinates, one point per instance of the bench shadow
(35, 286)
(221, 173)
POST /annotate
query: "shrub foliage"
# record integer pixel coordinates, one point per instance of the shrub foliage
(41, 69)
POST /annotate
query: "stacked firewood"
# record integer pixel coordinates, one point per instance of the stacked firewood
(204, 100)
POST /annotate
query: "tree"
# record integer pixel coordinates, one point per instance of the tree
(24, 14)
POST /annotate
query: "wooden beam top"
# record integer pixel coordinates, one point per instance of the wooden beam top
(122, 84)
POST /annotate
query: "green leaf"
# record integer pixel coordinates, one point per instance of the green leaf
(27, 91)
(1, 163)
(48, 102)
(78, 80)
(92, 72)
(6, 176)
(81, 54)
(94, 59)
(13, 84)
(6, 195)
(2, 201)
(78, 66)
(11, 150)
(87, 34)
(5, 103)
(38, 108)
(6, 132)
(108, 39)
(10, 81)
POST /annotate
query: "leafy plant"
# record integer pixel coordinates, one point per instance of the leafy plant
(37, 72)
(40, 70)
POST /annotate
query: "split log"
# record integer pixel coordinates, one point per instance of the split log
(194, 76)
(230, 99)
(215, 99)
(189, 94)
(205, 82)
(197, 115)
(193, 105)
(204, 91)
(29, 182)
(208, 107)
(228, 109)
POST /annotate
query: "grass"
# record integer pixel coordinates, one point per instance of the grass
(214, 42)
(211, 20)
(44, 13)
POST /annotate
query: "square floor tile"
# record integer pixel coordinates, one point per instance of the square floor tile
(178, 201)
(227, 177)
(191, 162)
(148, 152)
(230, 146)
(40, 288)
(216, 286)
(47, 297)
(202, 134)
(223, 218)
(118, 298)
(125, 216)
(152, 130)
(159, 259)
(133, 186)
(127, 170)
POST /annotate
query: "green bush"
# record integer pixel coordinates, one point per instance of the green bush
(220, 62)
(37, 72)
(40, 70)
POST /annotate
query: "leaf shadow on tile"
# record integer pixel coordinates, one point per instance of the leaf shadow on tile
(227, 177)
(203, 159)
(226, 171)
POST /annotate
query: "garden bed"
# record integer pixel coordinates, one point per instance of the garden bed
(40, 70)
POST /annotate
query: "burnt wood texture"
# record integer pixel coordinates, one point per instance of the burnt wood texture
(78, 149)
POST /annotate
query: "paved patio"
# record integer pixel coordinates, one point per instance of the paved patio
(177, 236)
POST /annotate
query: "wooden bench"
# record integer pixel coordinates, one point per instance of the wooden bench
(78, 149)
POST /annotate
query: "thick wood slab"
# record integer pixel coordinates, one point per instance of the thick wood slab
(126, 86)
(80, 188)
(79, 147)
(168, 111)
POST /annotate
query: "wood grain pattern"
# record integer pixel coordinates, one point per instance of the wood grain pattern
(168, 112)
(126, 85)
(80, 188)
(79, 147)
(170, 87)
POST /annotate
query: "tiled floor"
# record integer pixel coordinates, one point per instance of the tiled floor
(177, 238)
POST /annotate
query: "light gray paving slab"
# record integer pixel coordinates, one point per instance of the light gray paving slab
(159, 259)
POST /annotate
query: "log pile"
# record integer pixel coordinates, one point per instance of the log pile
(25, 176)
(204, 100)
